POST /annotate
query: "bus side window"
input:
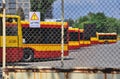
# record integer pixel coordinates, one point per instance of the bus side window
(10, 20)
(1, 25)
(11, 27)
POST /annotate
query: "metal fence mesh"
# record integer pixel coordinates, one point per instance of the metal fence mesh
(26, 46)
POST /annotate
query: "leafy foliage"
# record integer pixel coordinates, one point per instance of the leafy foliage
(103, 22)
(42, 6)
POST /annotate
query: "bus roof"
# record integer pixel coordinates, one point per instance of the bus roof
(73, 29)
(10, 16)
(107, 33)
(46, 24)
(81, 30)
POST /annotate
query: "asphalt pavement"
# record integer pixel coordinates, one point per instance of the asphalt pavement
(97, 56)
(101, 55)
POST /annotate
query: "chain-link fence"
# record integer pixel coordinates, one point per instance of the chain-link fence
(72, 33)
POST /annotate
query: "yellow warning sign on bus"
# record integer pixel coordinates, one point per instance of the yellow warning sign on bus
(34, 19)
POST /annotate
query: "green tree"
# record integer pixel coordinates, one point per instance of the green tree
(104, 23)
(100, 20)
(80, 22)
(117, 26)
(20, 13)
(111, 24)
(70, 21)
(43, 6)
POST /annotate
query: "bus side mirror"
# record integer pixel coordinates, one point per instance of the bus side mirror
(24, 40)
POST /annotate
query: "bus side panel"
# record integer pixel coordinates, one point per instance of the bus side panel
(101, 42)
(49, 54)
(74, 38)
(94, 40)
(12, 54)
(81, 43)
(86, 43)
(74, 45)
(109, 42)
(47, 50)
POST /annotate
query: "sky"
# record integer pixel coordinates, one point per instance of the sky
(77, 8)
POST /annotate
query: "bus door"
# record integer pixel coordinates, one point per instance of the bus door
(12, 32)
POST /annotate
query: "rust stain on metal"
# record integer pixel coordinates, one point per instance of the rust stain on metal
(66, 75)
(105, 76)
(81, 70)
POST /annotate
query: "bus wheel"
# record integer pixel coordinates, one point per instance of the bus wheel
(28, 55)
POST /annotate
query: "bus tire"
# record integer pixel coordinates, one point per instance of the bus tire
(28, 55)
